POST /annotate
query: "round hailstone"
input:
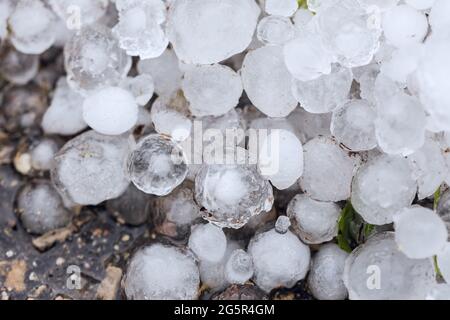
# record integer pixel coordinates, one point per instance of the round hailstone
(211, 90)
(325, 279)
(275, 30)
(43, 153)
(208, 31)
(77, 13)
(313, 221)
(443, 261)
(41, 209)
(141, 87)
(381, 187)
(400, 125)
(278, 259)
(326, 93)
(439, 16)
(328, 170)
(419, 232)
(161, 272)
(283, 224)
(284, 8)
(157, 165)
(239, 267)
(378, 270)
(267, 82)
(403, 25)
(208, 242)
(16, 67)
(110, 111)
(439, 292)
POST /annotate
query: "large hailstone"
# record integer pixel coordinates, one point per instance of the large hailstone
(161, 272)
(267, 81)
(78, 13)
(210, 31)
(208, 242)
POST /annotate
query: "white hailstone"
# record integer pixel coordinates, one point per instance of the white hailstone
(381, 187)
(207, 31)
(310, 125)
(212, 90)
(421, 4)
(160, 272)
(42, 154)
(353, 125)
(208, 242)
(326, 93)
(77, 13)
(267, 82)
(403, 63)
(438, 18)
(325, 279)
(283, 224)
(366, 77)
(328, 170)
(443, 261)
(278, 259)
(385, 89)
(110, 111)
(439, 292)
(302, 17)
(141, 86)
(16, 67)
(239, 267)
(165, 72)
(6, 8)
(65, 114)
(284, 8)
(313, 221)
(31, 26)
(419, 232)
(400, 125)
(378, 270)
(275, 30)
(403, 25)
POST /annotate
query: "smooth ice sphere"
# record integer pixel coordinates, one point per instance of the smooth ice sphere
(278, 259)
(41, 209)
(208, 31)
(141, 86)
(439, 292)
(211, 90)
(267, 82)
(353, 125)
(403, 25)
(89, 169)
(110, 111)
(208, 242)
(239, 267)
(42, 154)
(313, 221)
(400, 124)
(326, 93)
(285, 8)
(419, 232)
(157, 165)
(275, 30)
(77, 13)
(328, 170)
(16, 67)
(31, 25)
(159, 272)
(438, 18)
(283, 224)
(381, 187)
(325, 279)
(443, 261)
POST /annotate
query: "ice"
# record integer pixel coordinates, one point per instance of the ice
(383, 5)
(208, 242)
(318, 5)
(366, 77)
(267, 81)
(443, 261)
(275, 30)
(328, 170)
(77, 13)
(160, 272)
(302, 17)
(16, 67)
(157, 165)
(6, 8)
(283, 224)
(211, 90)
(438, 17)
(89, 169)
(142, 87)
(313, 221)
(284, 8)
(278, 259)
(378, 270)
(208, 31)
(310, 125)
(239, 267)
(325, 279)
(439, 292)
(403, 62)
(42, 154)
(443, 208)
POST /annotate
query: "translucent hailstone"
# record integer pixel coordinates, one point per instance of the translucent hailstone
(6, 8)
(89, 168)
(403, 63)
(212, 90)
(419, 232)
(65, 114)
(443, 260)
(381, 187)
(41, 209)
(325, 279)
(366, 77)
(159, 272)
(110, 111)
(275, 30)
(16, 67)
(267, 81)
(302, 17)
(278, 259)
(208, 242)
(439, 16)
(78, 13)
(353, 125)
(157, 165)
(328, 170)
(93, 59)
(385, 89)
(400, 124)
(43, 153)
(439, 292)
(141, 86)
(378, 270)
(283, 224)
(403, 25)
(326, 93)
(31, 27)
(313, 221)
(310, 125)
(285, 8)
(239, 267)
(207, 31)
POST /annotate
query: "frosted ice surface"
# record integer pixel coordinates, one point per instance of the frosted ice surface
(42, 154)
(275, 30)
(239, 267)
(285, 8)
(142, 87)
(208, 242)
(79, 12)
(283, 224)
(439, 292)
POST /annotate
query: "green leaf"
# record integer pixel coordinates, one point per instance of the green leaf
(344, 236)
(302, 4)
(436, 267)
(437, 196)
